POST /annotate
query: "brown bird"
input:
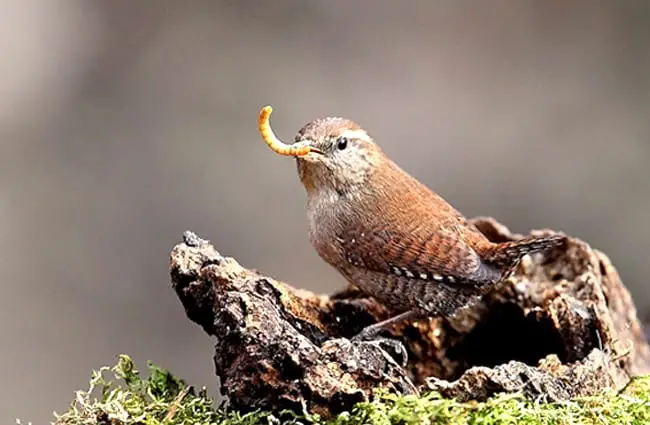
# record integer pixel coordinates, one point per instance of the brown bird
(386, 232)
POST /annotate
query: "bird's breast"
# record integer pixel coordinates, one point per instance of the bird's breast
(326, 214)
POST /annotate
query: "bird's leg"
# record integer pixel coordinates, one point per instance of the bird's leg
(392, 347)
(369, 332)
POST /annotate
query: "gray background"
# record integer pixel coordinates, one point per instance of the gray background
(125, 123)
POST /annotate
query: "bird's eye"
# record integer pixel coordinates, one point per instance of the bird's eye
(342, 143)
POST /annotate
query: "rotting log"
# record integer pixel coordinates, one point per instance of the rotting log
(562, 325)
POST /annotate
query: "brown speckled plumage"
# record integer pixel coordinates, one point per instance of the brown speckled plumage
(389, 234)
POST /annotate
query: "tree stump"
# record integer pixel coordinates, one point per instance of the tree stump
(562, 325)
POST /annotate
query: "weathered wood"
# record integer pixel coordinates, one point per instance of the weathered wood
(561, 326)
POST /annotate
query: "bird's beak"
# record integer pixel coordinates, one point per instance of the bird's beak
(300, 149)
(312, 154)
(313, 149)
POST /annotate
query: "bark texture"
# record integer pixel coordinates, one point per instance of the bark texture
(563, 325)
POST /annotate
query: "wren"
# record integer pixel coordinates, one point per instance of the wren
(387, 233)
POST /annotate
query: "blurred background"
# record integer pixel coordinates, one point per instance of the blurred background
(122, 124)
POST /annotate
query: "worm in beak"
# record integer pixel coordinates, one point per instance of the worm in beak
(276, 145)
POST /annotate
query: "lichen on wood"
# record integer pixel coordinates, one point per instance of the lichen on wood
(561, 326)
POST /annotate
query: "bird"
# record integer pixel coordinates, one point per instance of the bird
(386, 232)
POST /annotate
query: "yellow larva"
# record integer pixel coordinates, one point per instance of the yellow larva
(272, 141)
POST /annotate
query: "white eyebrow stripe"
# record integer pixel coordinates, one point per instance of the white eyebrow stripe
(356, 134)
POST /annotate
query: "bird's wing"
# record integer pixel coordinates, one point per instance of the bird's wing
(431, 253)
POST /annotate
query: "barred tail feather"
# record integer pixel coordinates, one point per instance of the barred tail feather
(508, 253)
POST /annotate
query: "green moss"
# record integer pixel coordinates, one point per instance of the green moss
(119, 395)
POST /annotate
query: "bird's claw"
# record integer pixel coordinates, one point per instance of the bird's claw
(393, 348)
(367, 334)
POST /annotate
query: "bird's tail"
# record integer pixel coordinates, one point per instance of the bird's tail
(509, 253)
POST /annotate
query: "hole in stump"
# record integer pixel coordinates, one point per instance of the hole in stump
(507, 334)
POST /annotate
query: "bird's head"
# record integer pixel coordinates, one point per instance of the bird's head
(331, 153)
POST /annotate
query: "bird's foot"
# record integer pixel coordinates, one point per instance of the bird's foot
(367, 334)
(393, 348)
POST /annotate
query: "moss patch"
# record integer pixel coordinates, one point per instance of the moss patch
(120, 395)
